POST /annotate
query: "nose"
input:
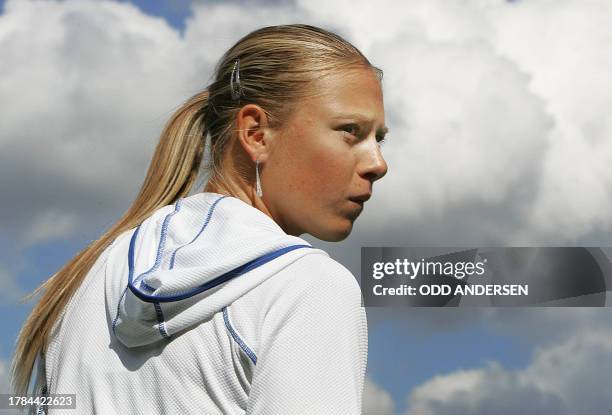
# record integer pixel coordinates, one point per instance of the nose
(373, 165)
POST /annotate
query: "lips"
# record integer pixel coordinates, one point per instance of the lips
(360, 198)
(358, 203)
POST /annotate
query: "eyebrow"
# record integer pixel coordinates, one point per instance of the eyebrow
(380, 130)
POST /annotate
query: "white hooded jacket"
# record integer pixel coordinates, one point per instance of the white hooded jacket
(209, 307)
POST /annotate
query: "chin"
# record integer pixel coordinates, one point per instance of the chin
(336, 233)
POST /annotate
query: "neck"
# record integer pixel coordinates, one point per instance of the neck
(236, 188)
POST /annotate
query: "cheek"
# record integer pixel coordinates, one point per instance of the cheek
(323, 169)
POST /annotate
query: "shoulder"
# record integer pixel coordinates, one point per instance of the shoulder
(315, 288)
(315, 278)
(314, 282)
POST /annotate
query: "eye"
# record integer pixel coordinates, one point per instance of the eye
(380, 140)
(352, 129)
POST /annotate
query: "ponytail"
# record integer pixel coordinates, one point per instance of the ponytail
(173, 170)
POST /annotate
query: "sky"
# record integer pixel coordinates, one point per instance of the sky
(500, 118)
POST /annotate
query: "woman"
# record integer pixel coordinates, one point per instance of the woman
(211, 303)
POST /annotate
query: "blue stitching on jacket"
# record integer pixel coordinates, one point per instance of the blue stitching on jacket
(162, 241)
(149, 288)
(209, 284)
(237, 338)
(216, 281)
(158, 310)
(130, 268)
(160, 247)
(160, 319)
(143, 284)
(208, 216)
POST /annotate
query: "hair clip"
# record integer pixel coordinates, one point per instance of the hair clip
(235, 85)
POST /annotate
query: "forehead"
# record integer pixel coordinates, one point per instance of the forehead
(355, 92)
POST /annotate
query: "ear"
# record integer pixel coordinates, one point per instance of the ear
(253, 134)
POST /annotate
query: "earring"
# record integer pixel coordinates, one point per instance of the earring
(257, 180)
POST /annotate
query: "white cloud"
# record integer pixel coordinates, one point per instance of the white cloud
(49, 225)
(376, 401)
(570, 65)
(570, 377)
(86, 87)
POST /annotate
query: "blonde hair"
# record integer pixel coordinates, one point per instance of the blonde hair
(277, 64)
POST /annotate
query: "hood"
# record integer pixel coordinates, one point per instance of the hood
(188, 261)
